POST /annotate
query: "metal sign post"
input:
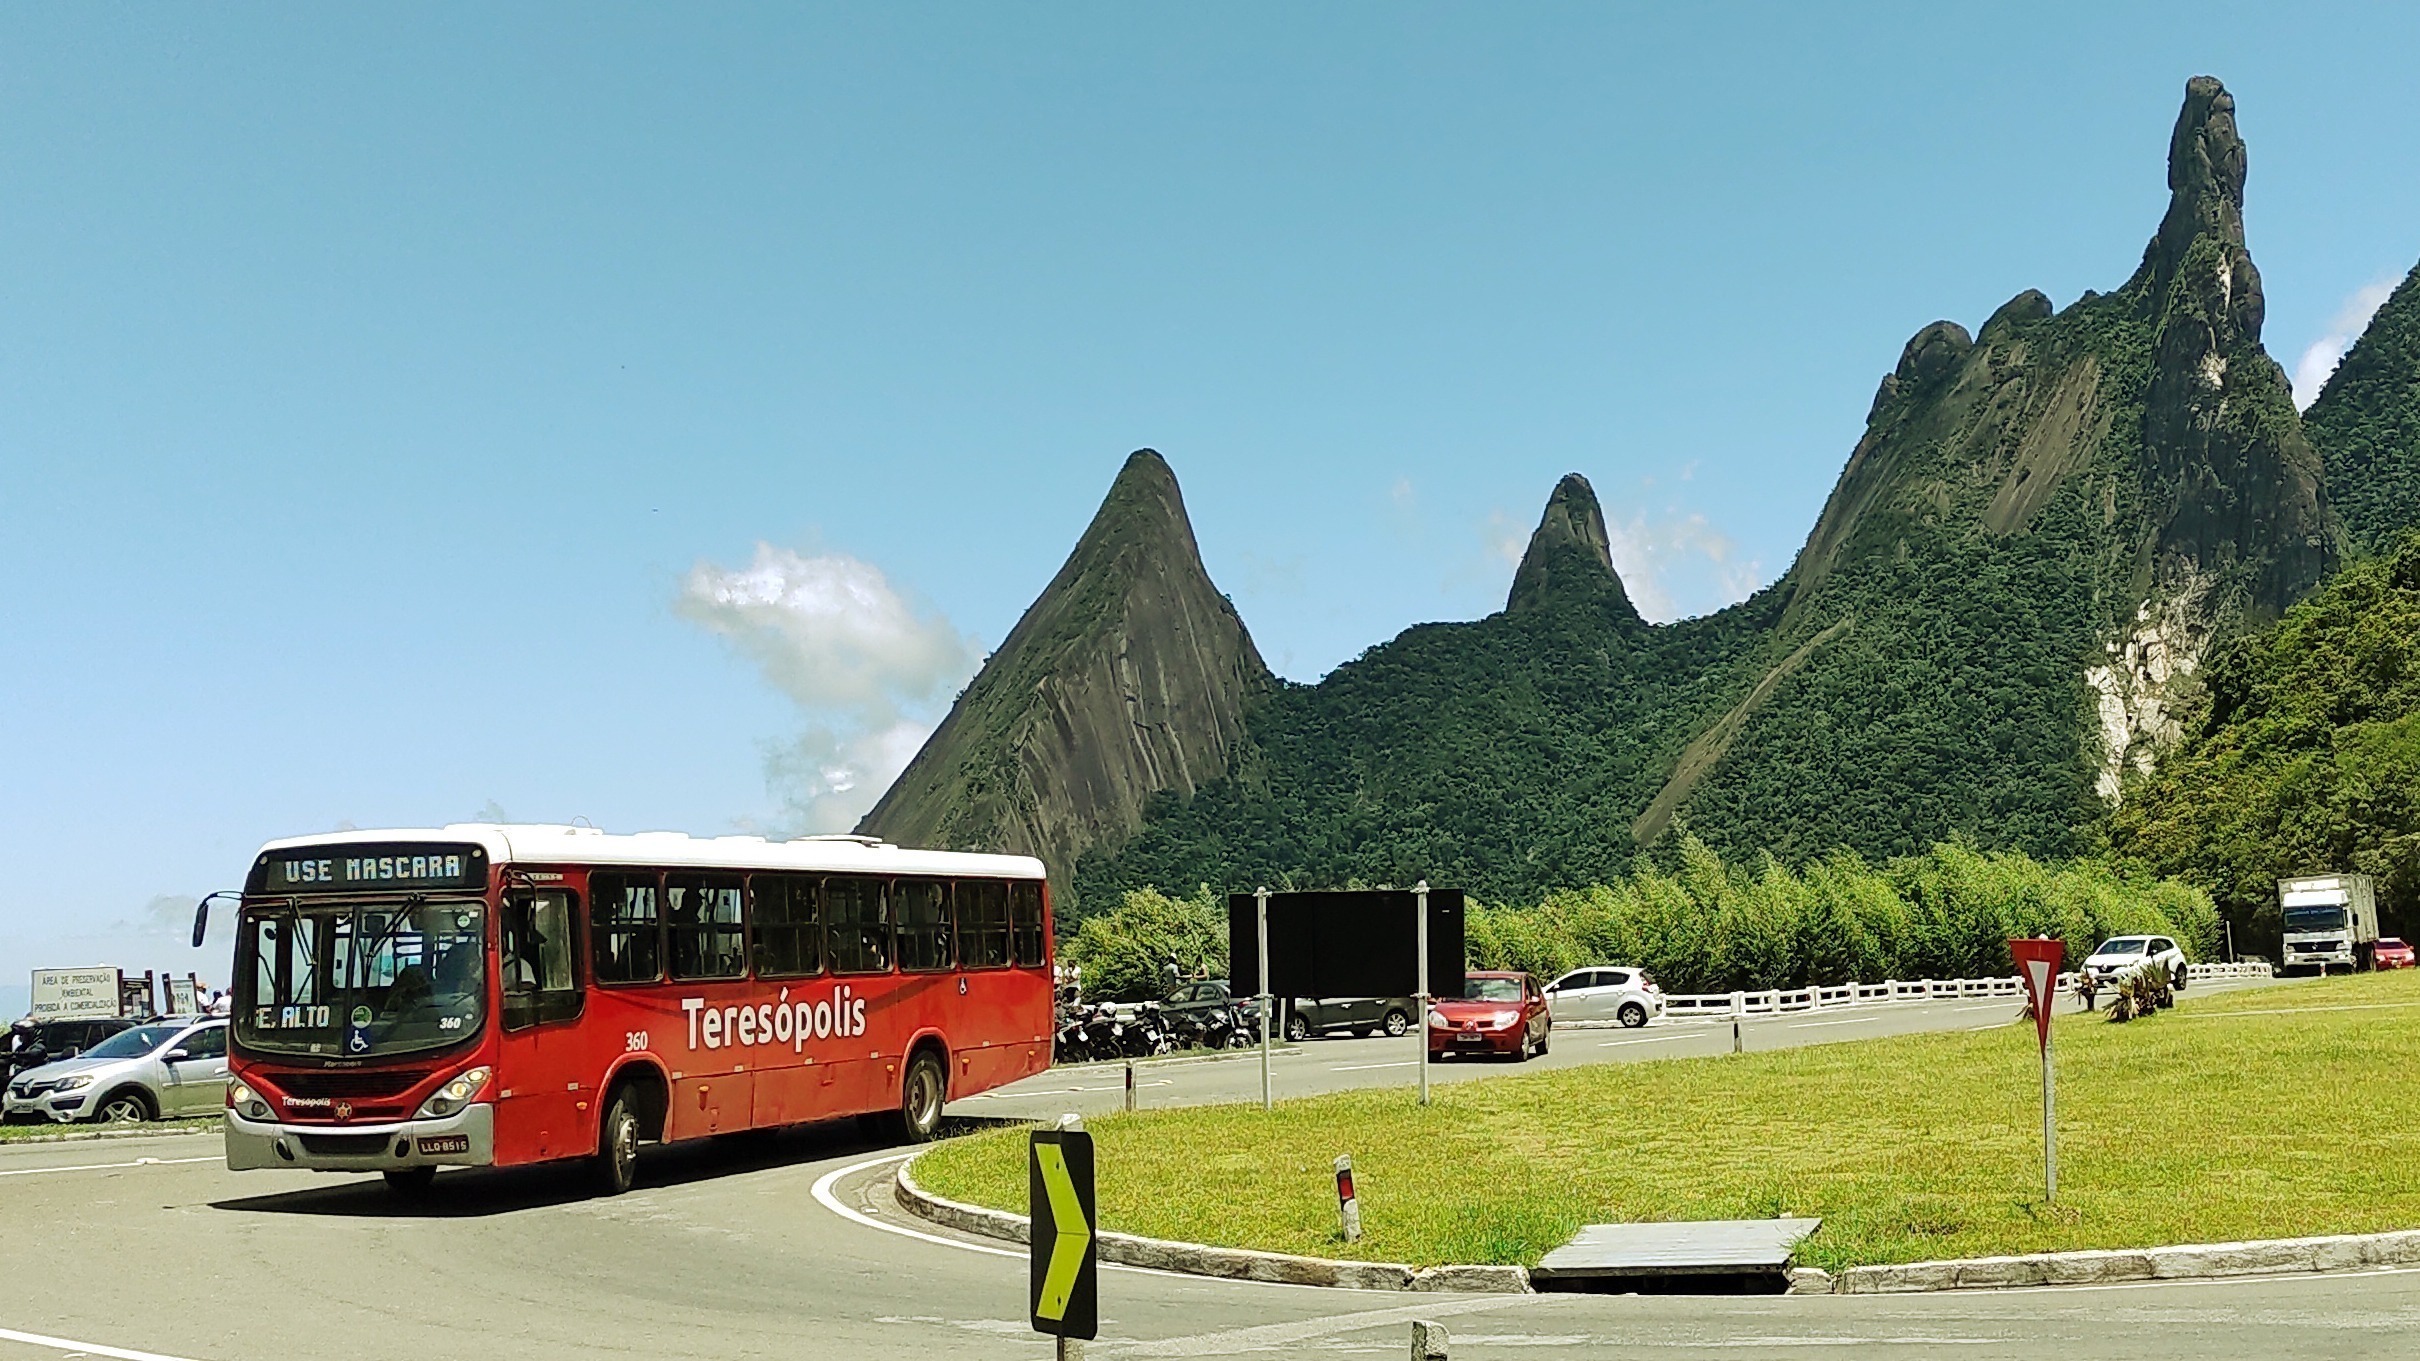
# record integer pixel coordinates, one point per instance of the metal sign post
(1420, 1027)
(1062, 1260)
(1268, 1014)
(2038, 968)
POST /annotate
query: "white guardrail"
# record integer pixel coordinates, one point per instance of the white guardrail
(1712, 1004)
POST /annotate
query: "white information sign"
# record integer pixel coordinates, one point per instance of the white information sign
(62, 993)
(182, 997)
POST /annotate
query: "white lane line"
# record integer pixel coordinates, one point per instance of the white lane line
(1608, 1044)
(61, 1344)
(107, 1167)
(822, 1191)
(1811, 1025)
(1061, 1091)
(1365, 1067)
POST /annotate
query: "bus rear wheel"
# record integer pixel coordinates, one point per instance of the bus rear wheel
(922, 1094)
(615, 1168)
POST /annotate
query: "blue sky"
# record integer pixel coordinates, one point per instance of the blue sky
(641, 414)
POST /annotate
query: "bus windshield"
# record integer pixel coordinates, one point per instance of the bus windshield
(2314, 919)
(360, 980)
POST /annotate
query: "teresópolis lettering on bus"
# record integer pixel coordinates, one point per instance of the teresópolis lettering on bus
(778, 1022)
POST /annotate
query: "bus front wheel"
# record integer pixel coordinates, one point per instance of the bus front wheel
(616, 1167)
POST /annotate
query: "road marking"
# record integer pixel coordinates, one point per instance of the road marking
(1608, 1044)
(1810, 1025)
(107, 1167)
(1005, 1095)
(61, 1344)
(1285, 1336)
(1365, 1067)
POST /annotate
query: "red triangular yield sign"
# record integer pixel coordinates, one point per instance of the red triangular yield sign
(2038, 967)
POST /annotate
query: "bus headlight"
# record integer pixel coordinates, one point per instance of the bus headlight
(453, 1096)
(247, 1102)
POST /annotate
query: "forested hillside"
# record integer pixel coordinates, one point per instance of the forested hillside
(2303, 756)
(2367, 424)
(2044, 526)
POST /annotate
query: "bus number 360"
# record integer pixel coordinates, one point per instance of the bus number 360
(635, 1040)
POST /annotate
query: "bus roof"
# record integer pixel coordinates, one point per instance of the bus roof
(554, 844)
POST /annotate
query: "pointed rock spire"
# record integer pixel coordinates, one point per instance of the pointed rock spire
(1570, 557)
(1126, 678)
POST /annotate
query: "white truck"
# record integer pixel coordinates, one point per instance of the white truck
(2331, 921)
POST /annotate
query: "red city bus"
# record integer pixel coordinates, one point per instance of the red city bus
(488, 995)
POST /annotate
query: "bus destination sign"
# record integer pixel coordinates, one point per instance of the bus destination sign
(360, 867)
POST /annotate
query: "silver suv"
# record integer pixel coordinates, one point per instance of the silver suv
(170, 1067)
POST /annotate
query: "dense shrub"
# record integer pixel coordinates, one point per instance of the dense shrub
(1124, 952)
(1709, 926)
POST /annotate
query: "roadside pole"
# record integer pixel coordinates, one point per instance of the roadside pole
(1420, 1026)
(2038, 969)
(1268, 1014)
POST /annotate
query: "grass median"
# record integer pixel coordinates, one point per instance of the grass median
(2262, 1113)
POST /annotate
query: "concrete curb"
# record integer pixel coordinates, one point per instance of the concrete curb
(1171, 1060)
(1198, 1259)
(2192, 1261)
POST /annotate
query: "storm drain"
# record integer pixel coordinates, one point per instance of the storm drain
(1695, 1257)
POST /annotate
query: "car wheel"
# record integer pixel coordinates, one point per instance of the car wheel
(1297, 1029)
(1398, 1024)
(922, 1094)
(1543, 1037)
(1520, 1053)
(1632, 1015)
(615, 1168)
(129, 1107)
(2183, 975)
(410, 1181)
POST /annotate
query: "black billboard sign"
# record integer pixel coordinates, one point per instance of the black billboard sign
(1347, 943)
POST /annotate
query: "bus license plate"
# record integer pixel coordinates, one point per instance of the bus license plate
(446, 1143)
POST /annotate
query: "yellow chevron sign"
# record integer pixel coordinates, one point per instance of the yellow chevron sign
(1063, 1269)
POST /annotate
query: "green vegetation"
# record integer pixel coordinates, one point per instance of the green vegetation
(1124, 952)
(1949, 913)
(49, 1130)
(2367, 425)
(2303, 755)
(2253, 1114)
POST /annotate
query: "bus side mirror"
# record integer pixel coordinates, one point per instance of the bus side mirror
(201, 921)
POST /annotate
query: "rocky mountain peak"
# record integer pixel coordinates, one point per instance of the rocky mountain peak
(1570, 556)
(1126, 678)
(2205, 186)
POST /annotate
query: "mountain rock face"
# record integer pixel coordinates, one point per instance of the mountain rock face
(1993, 627)
(1570, 557)
(2367, 425)
(1127, 678)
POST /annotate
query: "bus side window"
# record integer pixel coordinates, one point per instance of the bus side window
(787, 925)
(924, 925)
(1025, 922)
(625, 929)
(702, 919)
(857, 921)
(982, 923)
(540, 982)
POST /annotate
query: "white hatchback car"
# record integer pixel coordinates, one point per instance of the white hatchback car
(2122, 955)
(1605, 993)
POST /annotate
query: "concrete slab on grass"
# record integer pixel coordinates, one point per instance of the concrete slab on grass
(1692, 1247)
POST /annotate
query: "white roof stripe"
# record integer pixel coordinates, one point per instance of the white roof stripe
(552, 844)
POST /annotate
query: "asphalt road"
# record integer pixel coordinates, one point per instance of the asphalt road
(789, 1247)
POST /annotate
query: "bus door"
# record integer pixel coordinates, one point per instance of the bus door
(546, 1097)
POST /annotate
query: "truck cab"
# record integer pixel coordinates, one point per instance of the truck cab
(2331, 921)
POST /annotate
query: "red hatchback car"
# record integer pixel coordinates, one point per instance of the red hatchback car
(2391, 953)
(1498, 1013)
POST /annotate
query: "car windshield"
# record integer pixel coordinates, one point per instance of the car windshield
(2391, 943)
(353, 980)
(2123, 945)
(132, 1044)
(2314, 919)
(1491, 990)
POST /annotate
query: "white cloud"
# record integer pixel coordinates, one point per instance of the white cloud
(867, 668)
(2320, 359)
(1679, 565)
